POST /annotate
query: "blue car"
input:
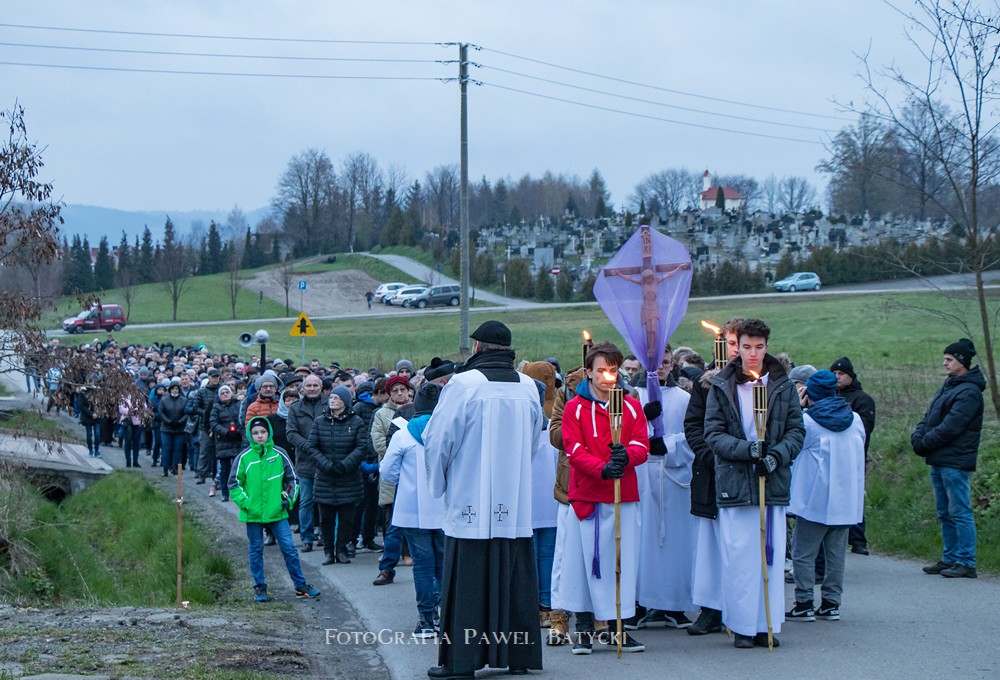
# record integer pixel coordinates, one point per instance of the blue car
(797, 281)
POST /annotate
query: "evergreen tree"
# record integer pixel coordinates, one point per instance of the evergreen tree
(484, 272)
(519, 283)
(124, 254)
(104, 267)
(392, 232)
(147, 263)
(216, 262)
(203, 262)
(587, 288)
(544, 290)
(275, 250)
(720, 199)
(564, 285)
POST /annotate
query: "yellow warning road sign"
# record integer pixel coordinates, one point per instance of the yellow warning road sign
(303, 327)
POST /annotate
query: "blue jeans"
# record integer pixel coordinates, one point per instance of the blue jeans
(544, 541)
(427, 551)
(954, 511)
(170, 452)
(283, 536)
(392, 544)
(93, 438)
(307, 529)
(194, 451)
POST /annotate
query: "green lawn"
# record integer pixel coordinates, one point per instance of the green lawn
(377, 269)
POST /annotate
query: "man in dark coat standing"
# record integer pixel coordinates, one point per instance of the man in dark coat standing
(849, 387)
(947, 438)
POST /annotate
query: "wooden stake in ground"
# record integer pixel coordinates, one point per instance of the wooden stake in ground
(180, 502)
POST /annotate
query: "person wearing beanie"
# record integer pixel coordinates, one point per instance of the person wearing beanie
(947, 438)
(301, 416)
(483, 472)
(170, 412)
(827, 496)
(263, 486)
(419, 514)
(404, 367)
(799, 375)
(849, 387)
(266, 401)
(398, 388)
(439, 371)
(336, 444)
(224, 424)
(367, 512)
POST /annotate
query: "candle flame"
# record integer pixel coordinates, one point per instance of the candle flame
(756, 376)
(609, 376)
(712, 327)
(586, 336)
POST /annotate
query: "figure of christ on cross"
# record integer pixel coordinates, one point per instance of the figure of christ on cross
(648, 281)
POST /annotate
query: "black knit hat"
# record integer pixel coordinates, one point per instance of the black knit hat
(963, 350)
(844, 365)
(427, 399)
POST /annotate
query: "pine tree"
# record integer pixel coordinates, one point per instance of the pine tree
(564, 285)
(216, 262)
(124, 254)
(544, 290)
(720, 199)
(84, 268)
(104, 267)
(147, 263)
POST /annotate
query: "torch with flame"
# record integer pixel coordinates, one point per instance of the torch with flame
(587, 344)
(760, 424)
(616, 405)
(720, 354)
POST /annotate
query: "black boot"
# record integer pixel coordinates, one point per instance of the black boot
(709, 621)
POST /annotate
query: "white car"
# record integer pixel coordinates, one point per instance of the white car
(403, 296)
(385, 291)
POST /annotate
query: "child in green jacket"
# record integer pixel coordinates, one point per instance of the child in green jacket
(263, 486)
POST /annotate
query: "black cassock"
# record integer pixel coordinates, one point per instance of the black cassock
(489, 605)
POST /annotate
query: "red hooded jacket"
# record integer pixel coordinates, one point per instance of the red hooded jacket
(586, 431)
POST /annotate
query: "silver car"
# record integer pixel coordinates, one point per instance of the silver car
(404, 296)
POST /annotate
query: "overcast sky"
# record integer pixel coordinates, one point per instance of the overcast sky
(119, 135)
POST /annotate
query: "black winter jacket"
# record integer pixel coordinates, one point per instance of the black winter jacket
(703, 468)
(301, 416)
(862, 404)
(171, 412)
(199, 405)
(336, 445)
(366, 411)
(948, 434)
(735, 476)
(224, 424)
(85, 409)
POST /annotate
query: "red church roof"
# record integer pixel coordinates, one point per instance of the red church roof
(729, 193)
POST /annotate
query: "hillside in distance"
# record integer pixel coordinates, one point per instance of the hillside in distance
(96, 222)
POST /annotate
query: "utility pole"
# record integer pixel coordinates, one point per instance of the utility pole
(463, 80)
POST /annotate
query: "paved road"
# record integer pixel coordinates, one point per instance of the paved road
(898, 623)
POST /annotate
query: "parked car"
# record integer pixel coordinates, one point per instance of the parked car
(98, 317)
(797, 281)
(402, 296)
(384, 291)
(446, 294)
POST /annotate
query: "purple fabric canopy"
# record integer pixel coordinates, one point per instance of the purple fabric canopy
(644, 291)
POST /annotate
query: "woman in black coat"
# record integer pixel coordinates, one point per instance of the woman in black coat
(336, 445)
(224, 426)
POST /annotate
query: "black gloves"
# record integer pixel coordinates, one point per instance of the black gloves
(619, 455)
(653, 409)
(767, 465)
(657, 447)
(758, 450)
(612, 470)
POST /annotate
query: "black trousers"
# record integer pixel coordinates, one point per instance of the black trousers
(336, 520)
(367, 515)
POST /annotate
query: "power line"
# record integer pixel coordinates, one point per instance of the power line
(215, 73)
(662, 89)
(224, 55)
(655, 103)
(221, 37)
(648, 117)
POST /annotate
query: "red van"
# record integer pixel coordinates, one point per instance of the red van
(98, 317)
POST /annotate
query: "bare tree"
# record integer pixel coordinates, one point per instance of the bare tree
(859, 167)
(770, 193)
(175, 266)
(960, 44)
(670, 188)
(128, 282)
(363, 184)
(306, 200)
(442, 189)
(283, 275)
(233, 264)
(795, 194)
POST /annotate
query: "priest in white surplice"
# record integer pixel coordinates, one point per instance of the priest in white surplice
(667, 539)
(587, 578)
(478, 450)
